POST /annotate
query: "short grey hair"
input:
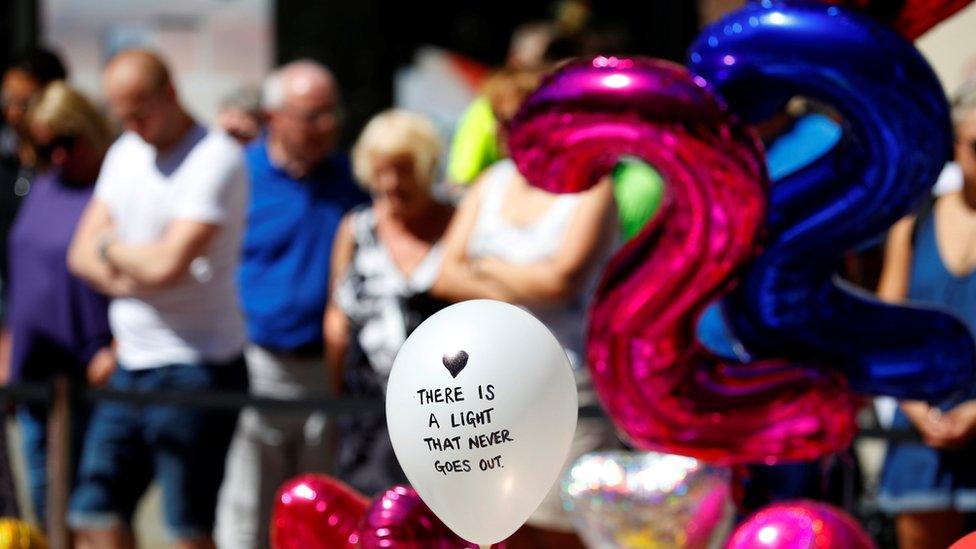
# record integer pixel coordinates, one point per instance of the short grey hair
(275, 88)
(964, 101)
(245, 98)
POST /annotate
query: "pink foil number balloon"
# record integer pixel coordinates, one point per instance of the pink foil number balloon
(800, 525)
(662, 389)
(316, 512)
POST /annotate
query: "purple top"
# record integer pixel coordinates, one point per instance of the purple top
(57, 321)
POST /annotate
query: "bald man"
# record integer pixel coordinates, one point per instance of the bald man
(302, 186)
(161, 237)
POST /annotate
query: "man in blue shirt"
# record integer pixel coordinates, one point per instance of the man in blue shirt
(301, 188)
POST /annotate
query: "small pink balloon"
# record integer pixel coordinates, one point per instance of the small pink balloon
(316, 512)
(398, 518)
(968, 542)
(800, 524)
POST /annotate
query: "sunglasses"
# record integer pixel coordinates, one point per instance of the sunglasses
(316, 117)
(9, 102)
(46, 150)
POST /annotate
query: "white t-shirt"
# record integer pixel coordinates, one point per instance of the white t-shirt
(204, 178)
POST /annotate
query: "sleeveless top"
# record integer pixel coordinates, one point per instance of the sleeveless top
(494, 236)
(932, 283)
(383, 304)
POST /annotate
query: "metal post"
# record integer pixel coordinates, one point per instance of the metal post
(58, 463)
(25, 25)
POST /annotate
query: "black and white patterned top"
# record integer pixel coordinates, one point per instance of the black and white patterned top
(383, 306)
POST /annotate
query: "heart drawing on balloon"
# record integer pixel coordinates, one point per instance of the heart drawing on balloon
(456, 362)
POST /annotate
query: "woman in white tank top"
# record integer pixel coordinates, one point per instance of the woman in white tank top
(498, 247)
(516, 243)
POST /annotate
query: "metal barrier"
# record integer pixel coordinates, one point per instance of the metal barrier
(60, 394)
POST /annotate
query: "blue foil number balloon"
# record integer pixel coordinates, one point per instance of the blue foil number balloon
(898, 136)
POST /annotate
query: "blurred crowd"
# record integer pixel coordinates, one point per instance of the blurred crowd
(145, 250)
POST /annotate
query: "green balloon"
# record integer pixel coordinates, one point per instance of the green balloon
(475, 143)
(638, 189)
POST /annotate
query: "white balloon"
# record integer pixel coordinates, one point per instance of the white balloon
(481, 407)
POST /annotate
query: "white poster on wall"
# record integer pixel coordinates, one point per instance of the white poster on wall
(212, 46)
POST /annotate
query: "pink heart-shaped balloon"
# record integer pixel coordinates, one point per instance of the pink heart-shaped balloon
(399, 519)
(316, 512)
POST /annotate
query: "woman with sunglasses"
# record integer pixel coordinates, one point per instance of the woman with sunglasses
(58, 325)
(930, 257)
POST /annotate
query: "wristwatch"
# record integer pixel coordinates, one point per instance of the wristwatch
(103, 244)
(476, 267)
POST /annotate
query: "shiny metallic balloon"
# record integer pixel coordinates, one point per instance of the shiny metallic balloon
(648, 500)
(800, 525)
(399, 519)
(316, 512)
(662, 390)
(966, 542)
(17, 534)
(898, 136)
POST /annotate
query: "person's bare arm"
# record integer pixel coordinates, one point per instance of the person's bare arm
(5, 356)
(166, 260)
(335, 324)
(101, 366)
(84, 260)
(561, 276)
(896, 270)
(457, 280)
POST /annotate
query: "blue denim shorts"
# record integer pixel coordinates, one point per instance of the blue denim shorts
(183, 449)
(917, 478)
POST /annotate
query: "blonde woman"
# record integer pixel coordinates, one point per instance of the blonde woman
(58, 324)
(385, 258)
